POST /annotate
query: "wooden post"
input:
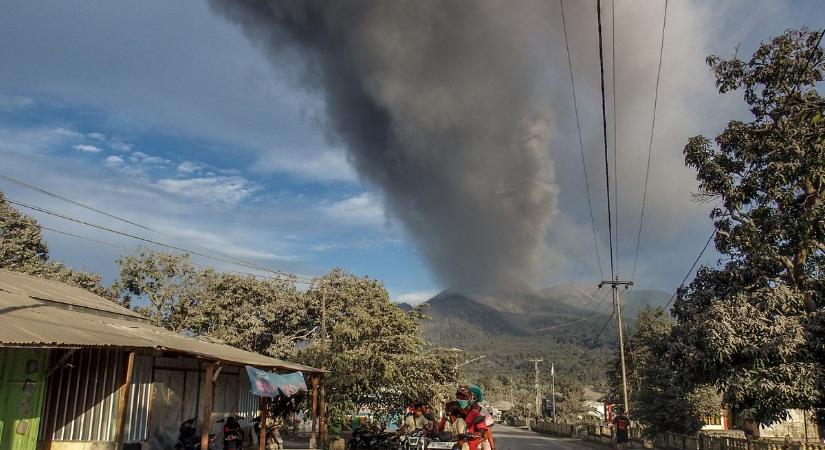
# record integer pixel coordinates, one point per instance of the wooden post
(322, 413)
(264, 417)
(207, 398)
(314, 381)
(123, 397)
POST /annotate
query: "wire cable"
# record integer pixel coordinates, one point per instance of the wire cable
(615, 128)
(650, 144)
(127, 221)
(150, 241)
(118, 246)
(581, 142)
(684, 280)
(604, 130)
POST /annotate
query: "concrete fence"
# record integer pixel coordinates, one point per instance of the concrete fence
(705, 442)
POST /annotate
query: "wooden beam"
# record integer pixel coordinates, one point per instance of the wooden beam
(207, 397)
(123, 397)
(264, 416)
(314, 381)
(322, 413)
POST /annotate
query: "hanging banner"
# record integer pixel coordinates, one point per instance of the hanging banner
(268, 384)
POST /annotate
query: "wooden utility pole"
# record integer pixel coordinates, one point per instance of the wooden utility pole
(538, 386)
(615, 283)
(322, 404)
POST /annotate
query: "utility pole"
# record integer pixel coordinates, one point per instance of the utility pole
(322, 423)
(615, 283)
(538, 386)
(553, 387)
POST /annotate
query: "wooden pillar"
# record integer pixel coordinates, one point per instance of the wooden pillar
(264, 417)
(123, 398)
(207, 397)
(314, 381)
(322, 413)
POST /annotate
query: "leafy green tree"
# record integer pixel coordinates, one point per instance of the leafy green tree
(657, 399)
(754, 327)
(22, 249)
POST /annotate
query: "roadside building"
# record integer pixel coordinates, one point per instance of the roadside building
(78, 371)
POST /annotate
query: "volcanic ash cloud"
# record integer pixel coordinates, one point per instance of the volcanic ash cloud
(440, 104)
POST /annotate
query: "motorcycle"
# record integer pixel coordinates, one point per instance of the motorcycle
(232, 433)
(189, 438)
(273, 439)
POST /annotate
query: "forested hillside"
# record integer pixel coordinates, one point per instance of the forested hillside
(513, 328)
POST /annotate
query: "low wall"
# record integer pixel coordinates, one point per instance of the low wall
(705, 442)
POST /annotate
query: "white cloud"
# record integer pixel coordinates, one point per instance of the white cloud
(96, 136)
(114, 161)
(143, 158)
(14, 102)
(362, 209)
(229, 190)
(327, 166)
(415, 297)
(35, 140)
(188, 167)
(87, 148)
(121, 147)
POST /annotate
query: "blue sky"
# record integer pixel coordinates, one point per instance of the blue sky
(164, 113)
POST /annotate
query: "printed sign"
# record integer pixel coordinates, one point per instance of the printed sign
(268, 384)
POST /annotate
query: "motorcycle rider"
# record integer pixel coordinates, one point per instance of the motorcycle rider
(417, 420)
(476, 425)
(487, 442)
(455, 424)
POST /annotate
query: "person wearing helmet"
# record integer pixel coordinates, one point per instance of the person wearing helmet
(476, 425)
(487, 442)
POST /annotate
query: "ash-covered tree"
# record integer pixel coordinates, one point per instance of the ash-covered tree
(754, 326)
(657, 399)
(23, 249)
(375, 352)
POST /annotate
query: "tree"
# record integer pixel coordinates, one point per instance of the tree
(374, 350)
(22, 249)
(657, 399)
(754, 327)
(168, 282)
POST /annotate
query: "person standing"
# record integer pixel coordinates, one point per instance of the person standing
(621, 425)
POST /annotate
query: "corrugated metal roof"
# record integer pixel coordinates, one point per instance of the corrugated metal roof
(31, 315)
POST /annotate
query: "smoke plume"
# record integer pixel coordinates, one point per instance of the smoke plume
(440, 104)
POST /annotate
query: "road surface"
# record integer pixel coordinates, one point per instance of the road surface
(509, 438)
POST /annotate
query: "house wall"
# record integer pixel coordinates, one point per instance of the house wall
(82, 395)
(83, 391)
(795, 426)
(21, 396)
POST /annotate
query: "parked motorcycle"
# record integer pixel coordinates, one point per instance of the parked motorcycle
(232, 433)
(273, 439)
(189, 438)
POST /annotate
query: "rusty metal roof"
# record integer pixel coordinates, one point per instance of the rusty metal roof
(41, 313)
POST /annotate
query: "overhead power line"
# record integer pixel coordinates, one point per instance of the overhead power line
(127, 221)
(695, 263)
(604, 130)
(121, 247)
(581, 142)
(615, 131)
(150, 241)
(650, 144)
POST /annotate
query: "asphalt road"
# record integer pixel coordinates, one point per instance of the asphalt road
(509, 438)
